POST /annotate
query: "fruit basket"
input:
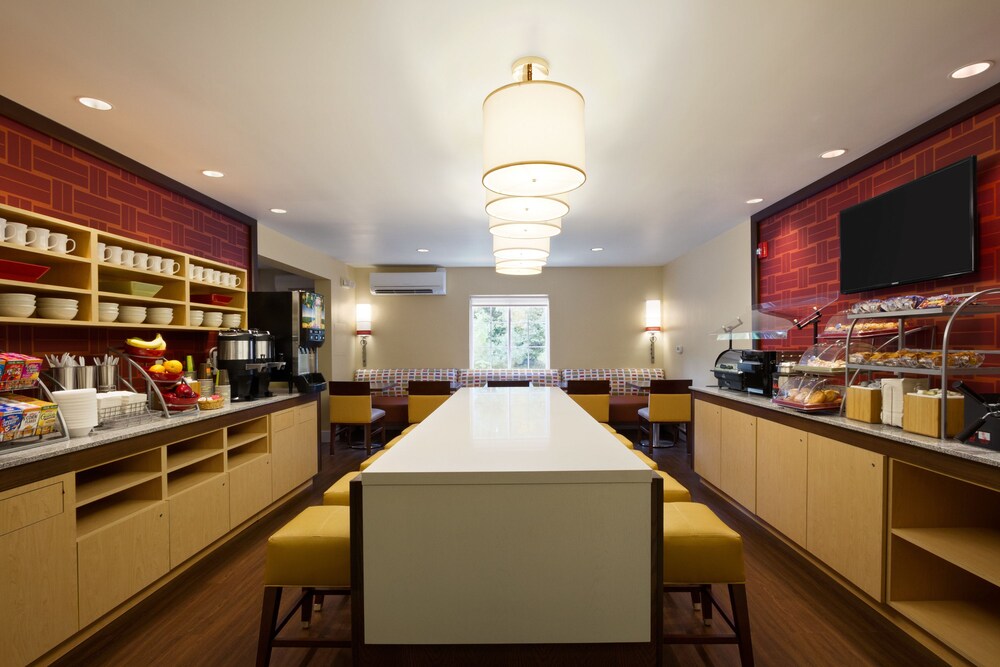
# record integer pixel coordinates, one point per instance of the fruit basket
(810, 394)
(166, 378)
(145, 353)
(213, 403)
(175, 402)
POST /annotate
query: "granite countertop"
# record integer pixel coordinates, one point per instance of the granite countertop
(43, 450)
(982, 455)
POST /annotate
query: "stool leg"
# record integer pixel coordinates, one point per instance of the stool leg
(706, 604)
(333, 436)
(318, 602)
(741, 617)
(368, 439)
(696, 600)
(268, 619)
(307, 607)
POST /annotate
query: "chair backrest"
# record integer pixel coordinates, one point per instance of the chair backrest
(508, 383)
(350, 402)
(594, 396)
(670, 400)
(425, 397)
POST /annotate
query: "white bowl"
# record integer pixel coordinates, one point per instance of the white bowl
(16, 310)
(57, 312)
(53, 301)
(233, 320)
(104, 316)
(17, 298)
(159, 319)
(131, 317)
(108, 304)
(162, 311)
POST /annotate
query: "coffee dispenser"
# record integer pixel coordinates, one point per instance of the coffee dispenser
(234, 354)
(297, 321)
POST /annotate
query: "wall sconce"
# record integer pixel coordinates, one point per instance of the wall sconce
(363, 328)
(652, 325)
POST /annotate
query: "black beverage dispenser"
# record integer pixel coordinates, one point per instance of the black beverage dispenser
(297, 320)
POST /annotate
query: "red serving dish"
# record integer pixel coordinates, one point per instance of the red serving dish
(29, 273)
(165, 377)
(212, 299)
(177, 403)
(143, 352)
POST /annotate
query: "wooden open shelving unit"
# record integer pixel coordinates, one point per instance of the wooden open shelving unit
(79, 275)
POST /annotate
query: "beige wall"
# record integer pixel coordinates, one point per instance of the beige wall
(596, 317)
(337, 355)
(702, 290)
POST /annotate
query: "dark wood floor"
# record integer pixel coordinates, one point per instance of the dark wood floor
(210, 615)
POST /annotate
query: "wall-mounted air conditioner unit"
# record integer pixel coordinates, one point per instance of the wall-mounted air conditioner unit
(428, 282)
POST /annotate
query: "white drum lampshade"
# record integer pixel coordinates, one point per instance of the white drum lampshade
(519, 271)
(525, 230)
(504, 248)
(533, 137)
(525, 209)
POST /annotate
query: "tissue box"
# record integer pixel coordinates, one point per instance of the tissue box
(864, 404)
(893, 391)
(922, 414)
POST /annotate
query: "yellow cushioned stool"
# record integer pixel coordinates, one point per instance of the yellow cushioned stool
(610, 428)
(625, 441)
(409, 428)
(370, 460)
(700, 550)
(312, 551)
(392, 443)
(673, 491)
(340, 492)
(645, 459)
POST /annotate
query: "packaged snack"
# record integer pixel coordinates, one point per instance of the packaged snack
(12, 367)
(47, 413)
(10, 421)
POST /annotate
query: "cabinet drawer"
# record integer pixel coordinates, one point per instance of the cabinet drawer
(198, 516)
(23, 508)
(282, 420)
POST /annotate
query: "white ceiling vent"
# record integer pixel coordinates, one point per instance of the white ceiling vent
(427, 282)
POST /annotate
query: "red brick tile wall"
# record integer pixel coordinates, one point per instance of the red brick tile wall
(804, 245)
(42, 174)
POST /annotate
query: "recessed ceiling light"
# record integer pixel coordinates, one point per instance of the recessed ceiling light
(213, 174)
(755, 200)
(836, 152)
(422, 250)
(94, 103)
(596, 249)
(278, 210)
(971, 70)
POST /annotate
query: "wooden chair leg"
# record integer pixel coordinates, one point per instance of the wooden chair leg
(268, 620)
(741, 618)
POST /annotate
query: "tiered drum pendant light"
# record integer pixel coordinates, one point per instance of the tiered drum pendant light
(533, 152)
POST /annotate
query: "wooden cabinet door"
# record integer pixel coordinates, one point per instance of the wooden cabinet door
(706, 442)
(38, 597)
(118, 561)
(846, 511)
(782, 466)
(249, 489)
(198, 516)
(738, 457)
(284, 475)
(307, 441)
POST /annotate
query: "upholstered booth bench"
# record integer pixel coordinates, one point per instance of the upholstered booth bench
(626, 395)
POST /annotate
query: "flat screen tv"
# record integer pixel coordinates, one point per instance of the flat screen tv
(923, 230)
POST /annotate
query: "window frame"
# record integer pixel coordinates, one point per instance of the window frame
(509, 301)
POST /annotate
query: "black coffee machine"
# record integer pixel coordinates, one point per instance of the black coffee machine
(263, 362)
(248, 358)
(758, 367)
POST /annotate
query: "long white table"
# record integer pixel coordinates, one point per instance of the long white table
(508, 517)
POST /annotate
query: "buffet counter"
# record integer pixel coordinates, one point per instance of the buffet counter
(91, 526)
(910, 523)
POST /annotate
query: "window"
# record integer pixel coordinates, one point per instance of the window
(509, 332)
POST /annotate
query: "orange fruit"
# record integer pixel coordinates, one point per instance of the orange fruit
(173, 366)
(157, 368)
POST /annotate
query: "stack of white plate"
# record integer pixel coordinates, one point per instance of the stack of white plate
(213, 318)
(197, 317)
(132, 314)
(107, 311)
(159, 315)
(17, 305)
(232, 320)
(79, 408)
(52, 308)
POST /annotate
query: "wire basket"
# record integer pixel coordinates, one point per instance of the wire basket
(120, 416)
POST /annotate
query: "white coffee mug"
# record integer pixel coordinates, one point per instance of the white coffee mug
(153, 263)
(197, 272)
(211, 275)
(16, 233)
(139, 260)
(217, 277)
(128, 257)
(101, 247)
(235, 281)
(169, 266)
(38, 237)
(113, 254)
(61, 243)
(3, 227)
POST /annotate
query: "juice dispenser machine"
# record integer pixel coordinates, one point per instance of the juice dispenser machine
(297, 320)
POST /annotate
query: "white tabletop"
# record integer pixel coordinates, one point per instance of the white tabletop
(508, 435)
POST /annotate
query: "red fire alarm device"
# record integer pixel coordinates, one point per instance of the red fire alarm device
(762, 250)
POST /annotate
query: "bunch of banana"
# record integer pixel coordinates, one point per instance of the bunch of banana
(156, 344)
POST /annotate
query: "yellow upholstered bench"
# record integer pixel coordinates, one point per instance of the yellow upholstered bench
(625, 441)
(609, 427)
(340, 492)
(409, 428)
(312, 552)
(673, 491)
(700, 550)
(370, 460)
(642, 457)
(392, 443)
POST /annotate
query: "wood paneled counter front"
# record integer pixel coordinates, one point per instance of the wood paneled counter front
(910, 523)
(91, 526)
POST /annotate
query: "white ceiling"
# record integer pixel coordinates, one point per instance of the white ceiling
(363, 117)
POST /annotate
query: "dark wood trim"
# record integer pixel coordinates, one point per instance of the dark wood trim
(970, 107)
(40, 123)
(86, 458)
(357, 572)
(950, 465)
(656, 567)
